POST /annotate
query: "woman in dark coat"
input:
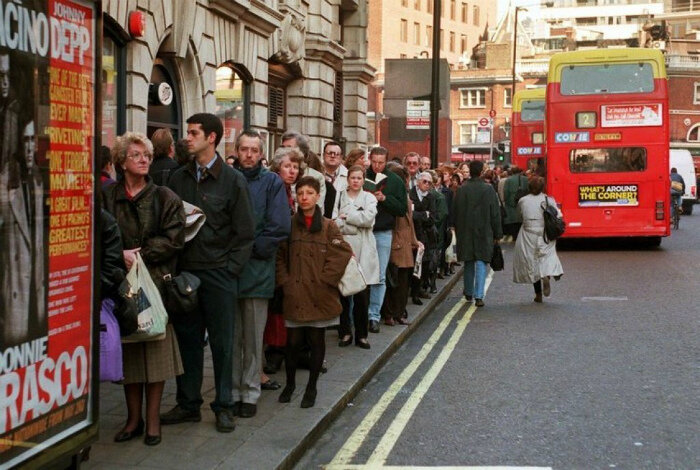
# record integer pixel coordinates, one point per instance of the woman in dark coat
(152, 221)
(425, 221)
(309, 267)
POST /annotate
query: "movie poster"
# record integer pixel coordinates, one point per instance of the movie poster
(47, 134)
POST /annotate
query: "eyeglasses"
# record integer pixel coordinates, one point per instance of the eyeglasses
(425, 181)
(411, 163)
(139, 155)
(333, 154)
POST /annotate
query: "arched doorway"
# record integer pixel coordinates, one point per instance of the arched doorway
(163, 100)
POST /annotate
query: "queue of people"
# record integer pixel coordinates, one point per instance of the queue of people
(274, 245)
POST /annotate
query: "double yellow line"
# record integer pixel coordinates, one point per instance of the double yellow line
(378, 458)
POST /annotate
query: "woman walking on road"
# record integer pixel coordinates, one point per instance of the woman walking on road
(534, 260)
(309, 266)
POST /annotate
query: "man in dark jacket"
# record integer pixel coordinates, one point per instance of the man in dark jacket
(217, 256)
(477, 222)
(163, 164)
(256, 285)
(392, 203)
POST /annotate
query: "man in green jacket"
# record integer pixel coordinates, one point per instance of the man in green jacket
(392, 202)
(477, 222)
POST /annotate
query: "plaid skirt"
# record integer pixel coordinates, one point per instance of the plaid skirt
(152, 361)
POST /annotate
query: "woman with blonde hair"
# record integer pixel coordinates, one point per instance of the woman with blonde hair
(152, 222)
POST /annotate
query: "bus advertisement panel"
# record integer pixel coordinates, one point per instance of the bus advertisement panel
(607, 133)
(528, 128)
(47, 147)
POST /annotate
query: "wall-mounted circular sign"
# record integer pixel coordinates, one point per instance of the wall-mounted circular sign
(164, 93)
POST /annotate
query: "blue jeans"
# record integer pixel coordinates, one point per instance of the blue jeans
(474, 278)
(377, 291)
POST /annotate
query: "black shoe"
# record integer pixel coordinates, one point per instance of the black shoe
(479, 303)
(224, 421)
(309, 398)
(236, 410)
(416, 301)
(248, 410)
(468, 298)
(362, 343)
(424, 295)
(151, 440)
(345, 342)
(373, 326)
(123, 436)
(180, 415)
(433, 290)
(286, 394)
(270, 385)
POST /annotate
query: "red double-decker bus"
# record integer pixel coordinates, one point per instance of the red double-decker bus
(527, 128)
(607, 136)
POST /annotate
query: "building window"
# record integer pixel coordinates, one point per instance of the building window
(467, 133)
(338, 106)
(453, 8)
(693, 134)
(430, 6)
(507, 98)
(232, 105)
(696, 93)
(472, 98)
(429, 36)
(463, 44)
(276, 106)
(465, 12)
(113, 89)
(404, 3)
(416, 4)
(416, 34)
(475, 15)
(452, 41)
(404, 31)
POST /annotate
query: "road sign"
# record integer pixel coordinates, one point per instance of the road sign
(483, 122)
(492, 113)
(418, 114)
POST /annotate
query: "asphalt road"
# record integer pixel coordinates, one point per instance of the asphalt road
(604, 374)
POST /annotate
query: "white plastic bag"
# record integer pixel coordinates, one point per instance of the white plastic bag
(152, 317)
(353, 280)
(451, 251)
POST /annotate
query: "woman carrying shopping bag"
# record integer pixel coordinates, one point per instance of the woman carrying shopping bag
(152, 222)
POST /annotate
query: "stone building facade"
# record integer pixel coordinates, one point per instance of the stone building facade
(270, 65)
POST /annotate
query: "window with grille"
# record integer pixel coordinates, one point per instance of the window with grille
(276, 107)
(472, 98)
(338, 99)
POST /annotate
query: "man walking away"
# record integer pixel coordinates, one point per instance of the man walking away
(392, 203)
(217, 256)
(256, 285)
(477, 222)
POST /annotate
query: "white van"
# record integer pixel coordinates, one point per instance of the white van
(682, 161)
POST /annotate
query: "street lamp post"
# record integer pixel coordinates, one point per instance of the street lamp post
(435, 85)
(515, 50)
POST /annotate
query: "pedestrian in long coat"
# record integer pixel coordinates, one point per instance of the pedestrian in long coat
(309, 267)
(477, 222)
(534, 260)
(512, 221)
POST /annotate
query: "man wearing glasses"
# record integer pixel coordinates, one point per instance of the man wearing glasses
(412, 163)
(335, 172)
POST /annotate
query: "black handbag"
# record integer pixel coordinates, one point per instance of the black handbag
(554, 226)
(180, 293)
(497, 262)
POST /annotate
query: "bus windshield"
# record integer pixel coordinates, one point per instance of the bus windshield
(608, 160)
(532, 111)
(607, 78)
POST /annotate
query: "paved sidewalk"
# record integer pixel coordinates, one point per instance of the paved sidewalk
(278, 435)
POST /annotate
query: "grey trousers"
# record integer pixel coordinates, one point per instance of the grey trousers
(249, 326)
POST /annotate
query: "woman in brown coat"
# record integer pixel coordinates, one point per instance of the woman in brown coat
(309, 266)
(403, 242)
(152, 222)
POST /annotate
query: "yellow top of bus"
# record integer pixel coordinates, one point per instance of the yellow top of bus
(598, 56)
(525, 95)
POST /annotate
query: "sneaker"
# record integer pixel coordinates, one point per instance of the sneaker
(248, 410)
(373, 326)
(479, 303)
(224, 421)
(546, 288)
(180, 415)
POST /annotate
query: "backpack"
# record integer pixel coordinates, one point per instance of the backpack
(554, 226)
